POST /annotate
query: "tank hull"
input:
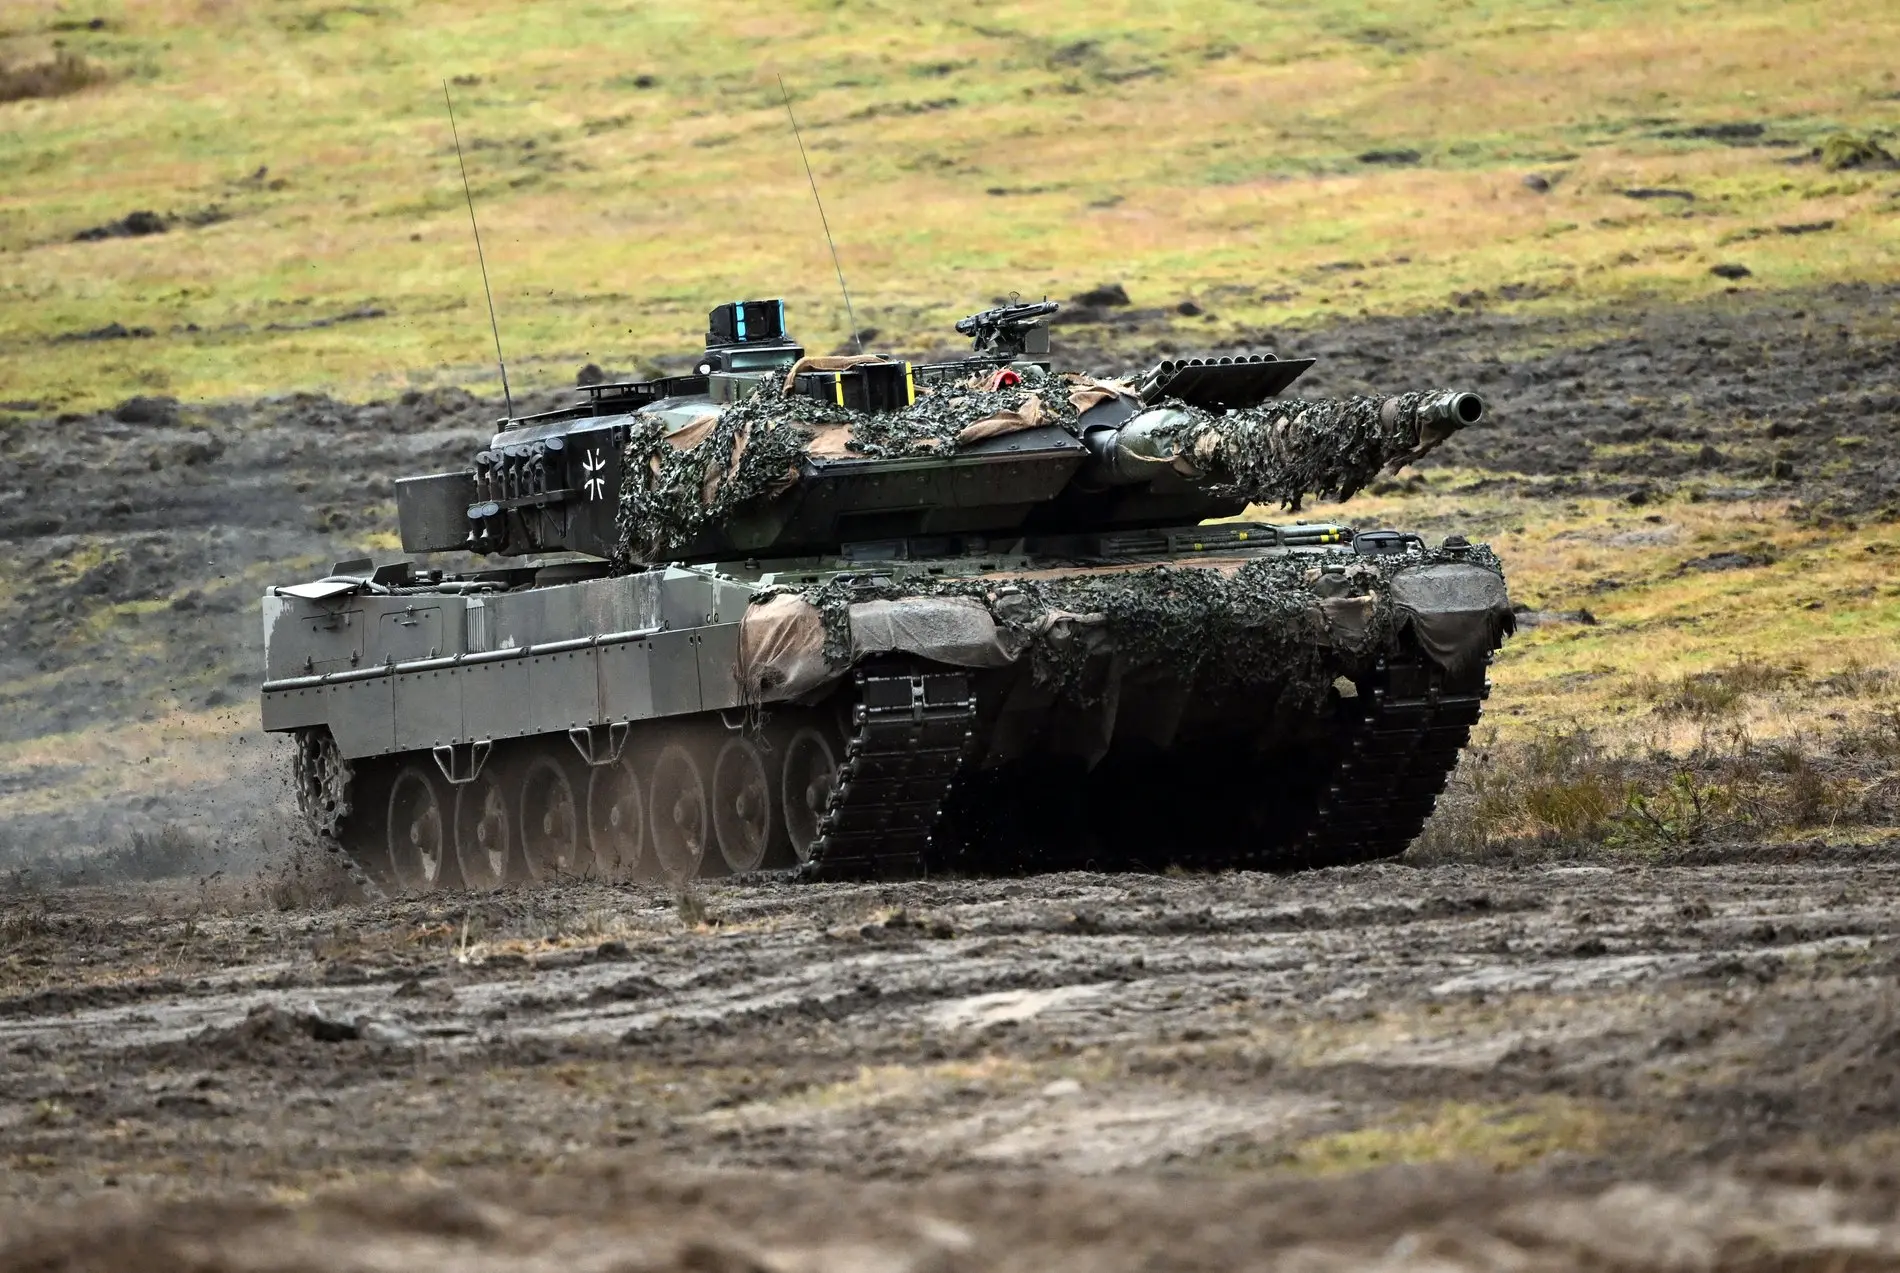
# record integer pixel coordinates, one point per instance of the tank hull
(1241, 695)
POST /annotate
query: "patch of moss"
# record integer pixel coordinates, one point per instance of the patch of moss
(1850, 150)
(1505, 1137)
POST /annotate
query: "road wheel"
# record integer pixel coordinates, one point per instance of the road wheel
(551, 831)
(745, 795)
(616, 817)
(811, 766)
(484, 830)
(418, 828)
(680, 816)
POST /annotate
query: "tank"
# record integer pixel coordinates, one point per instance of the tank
(866, 617)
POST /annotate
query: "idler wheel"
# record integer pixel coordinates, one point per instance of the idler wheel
(679, 812)
(616, 817)
(811, 767)
(484, 830)
(551, 821)
(418, 829)
(746, 820)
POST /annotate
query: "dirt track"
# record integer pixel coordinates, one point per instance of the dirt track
(1119, 1069)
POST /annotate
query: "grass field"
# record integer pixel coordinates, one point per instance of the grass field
(632, 165)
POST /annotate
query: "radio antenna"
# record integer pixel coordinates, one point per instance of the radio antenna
(822, 219)
(480, 260)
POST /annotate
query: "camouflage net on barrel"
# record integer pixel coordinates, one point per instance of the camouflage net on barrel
(1220, 630)
(1287, 449)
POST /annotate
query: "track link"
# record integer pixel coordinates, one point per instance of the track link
(910, 730)
(1395, 761)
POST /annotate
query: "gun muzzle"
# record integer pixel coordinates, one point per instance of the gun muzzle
(1454, 407)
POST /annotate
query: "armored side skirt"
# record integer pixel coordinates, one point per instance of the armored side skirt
(390, 673)
(544, 689)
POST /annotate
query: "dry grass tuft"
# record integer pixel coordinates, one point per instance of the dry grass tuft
(693, 909)
(1857, 681)
(65, 73)
(1573, 794)
(1878, 738)
(1554, 793)
(22, 924)
(169, 852)
(1846, 150)
(1708, 695)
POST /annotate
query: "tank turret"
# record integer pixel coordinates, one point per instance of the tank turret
(763, 449)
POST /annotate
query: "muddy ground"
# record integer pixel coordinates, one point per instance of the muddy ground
(1487, 1067)
(1446, 1067)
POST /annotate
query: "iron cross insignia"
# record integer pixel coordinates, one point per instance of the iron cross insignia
(594, 468)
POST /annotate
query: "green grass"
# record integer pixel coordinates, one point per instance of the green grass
(1504, 1138)
(632, 166)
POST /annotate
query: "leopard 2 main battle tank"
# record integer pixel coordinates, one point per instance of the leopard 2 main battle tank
(860, 616)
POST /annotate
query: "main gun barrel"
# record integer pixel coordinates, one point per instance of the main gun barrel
(1282, 450)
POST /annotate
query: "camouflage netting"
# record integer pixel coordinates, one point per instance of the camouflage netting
(1287, 449)
(730, 460)
(675, 486)
(942, 422)
(750, 452)
(1274, 620)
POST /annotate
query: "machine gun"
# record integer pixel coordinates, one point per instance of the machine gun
(1008, 330)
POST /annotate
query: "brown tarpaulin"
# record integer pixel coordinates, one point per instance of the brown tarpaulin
(838, 362)
(716, 472)
(1087, 391)
(832, 442)
(1027, 416)
(782, 640)
(781, 650)
(1348, 621)
(1457, 612)
(959, 631)
(685, 439)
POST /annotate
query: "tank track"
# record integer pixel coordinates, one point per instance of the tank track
(323, 779)
(1394, 762)
(910, 730)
